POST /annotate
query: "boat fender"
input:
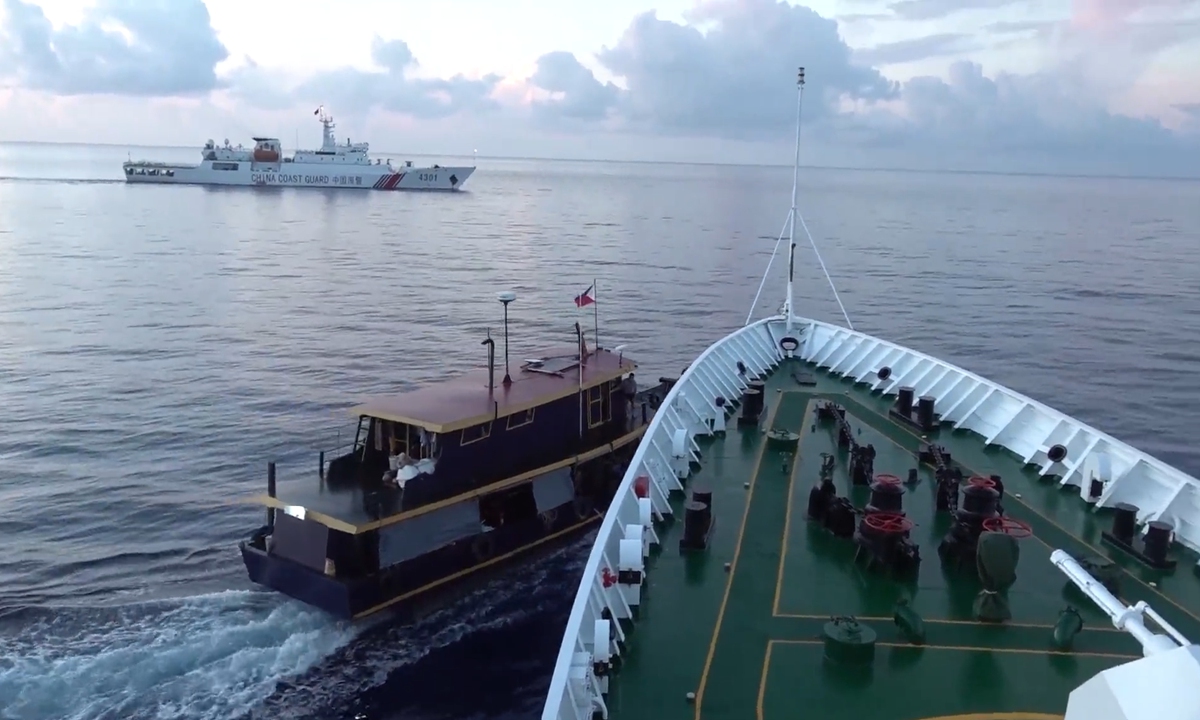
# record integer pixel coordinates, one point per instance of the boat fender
(583, 506)
(483, 547)
(789, 344)
(549, 517)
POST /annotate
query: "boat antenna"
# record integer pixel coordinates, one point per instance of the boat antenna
(505, 298)
(795, 184)
(789, 226)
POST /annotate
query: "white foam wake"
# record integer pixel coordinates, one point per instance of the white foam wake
(209, 656)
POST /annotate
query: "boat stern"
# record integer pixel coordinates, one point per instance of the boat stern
(295, 580)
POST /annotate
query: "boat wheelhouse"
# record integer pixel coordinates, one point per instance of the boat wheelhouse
(447, 479)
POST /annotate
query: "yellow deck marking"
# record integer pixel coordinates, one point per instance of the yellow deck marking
(737, 549)
(1000, 716)
(766, 668)
(762, 680)
(787, 517)
(783, 554)
(946, 621)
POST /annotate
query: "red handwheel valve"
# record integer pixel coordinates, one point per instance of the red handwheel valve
(608, 578)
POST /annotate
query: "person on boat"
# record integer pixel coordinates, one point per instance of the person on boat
(629, 391)
(396, 461)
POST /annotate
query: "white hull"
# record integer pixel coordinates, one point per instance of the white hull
(352, 177)
(964, 400)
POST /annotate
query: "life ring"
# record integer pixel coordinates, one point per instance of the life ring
(789, 344)
(548, 518)
(483, 547)
(583, 506)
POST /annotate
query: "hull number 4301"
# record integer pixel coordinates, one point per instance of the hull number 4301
(427, 177)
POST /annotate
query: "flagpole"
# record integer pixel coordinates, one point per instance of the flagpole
(595, 314)
(579, 348)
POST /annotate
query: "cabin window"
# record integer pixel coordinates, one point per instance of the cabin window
(475, 433)
(595, 406)
(224, 166)
(520, 419)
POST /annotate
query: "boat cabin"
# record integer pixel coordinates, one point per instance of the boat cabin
(471, 431)
(470, 435)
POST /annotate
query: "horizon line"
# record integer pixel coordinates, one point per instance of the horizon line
(940, 171)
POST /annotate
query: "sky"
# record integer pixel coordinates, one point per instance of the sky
(1060, 86)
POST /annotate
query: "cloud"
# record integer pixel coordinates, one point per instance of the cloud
(727, 80)
(933, 9)
(922, 48)
(121, 47)
(576, 94)
(354, 91)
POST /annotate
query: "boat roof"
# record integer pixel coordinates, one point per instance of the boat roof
(464, 401)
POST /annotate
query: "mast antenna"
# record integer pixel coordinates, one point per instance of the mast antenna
(795, 183)
(789, 227)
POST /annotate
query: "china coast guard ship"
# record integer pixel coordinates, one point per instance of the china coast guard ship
(823, 524)
(348, 165)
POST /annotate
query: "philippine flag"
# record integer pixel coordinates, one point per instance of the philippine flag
(585, 298)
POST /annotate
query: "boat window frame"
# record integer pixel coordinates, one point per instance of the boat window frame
(526, 417)
(598, 400)
(485, 430)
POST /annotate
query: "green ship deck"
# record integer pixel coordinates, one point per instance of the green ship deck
(734, 632)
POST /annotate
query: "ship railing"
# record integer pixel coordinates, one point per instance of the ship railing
(1105, 470)
(154, 164)
(627, 532)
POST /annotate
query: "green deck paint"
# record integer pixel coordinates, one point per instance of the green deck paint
(758, 628)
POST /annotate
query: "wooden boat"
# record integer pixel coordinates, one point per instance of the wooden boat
(448, 479)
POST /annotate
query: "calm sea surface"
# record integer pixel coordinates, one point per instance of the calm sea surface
(158, 345)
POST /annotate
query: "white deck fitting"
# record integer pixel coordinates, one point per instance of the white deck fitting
(963, 400)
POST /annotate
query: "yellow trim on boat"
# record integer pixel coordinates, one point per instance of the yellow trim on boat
(480, 566)
(356, 529)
